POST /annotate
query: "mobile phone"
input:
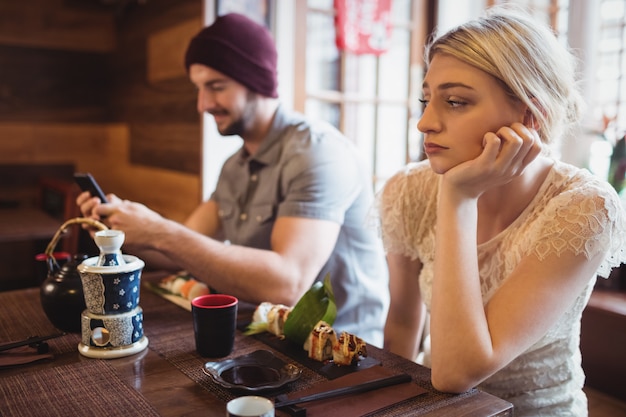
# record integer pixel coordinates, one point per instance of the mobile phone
(87, 182)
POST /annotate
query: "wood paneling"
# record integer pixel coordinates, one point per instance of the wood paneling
(35, 24)
(164, 123)
(72, 98)
(103, 150)
(172, 101)
(166, 50)
(74, 90)
(38, 84)
(174, 141)
(19, 183)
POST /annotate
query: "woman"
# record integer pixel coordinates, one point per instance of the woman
(506, 241)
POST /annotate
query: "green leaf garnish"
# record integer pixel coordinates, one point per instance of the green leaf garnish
(256, 327)
(318, 303)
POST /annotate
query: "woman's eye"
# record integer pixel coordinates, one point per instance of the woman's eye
(423, 101)
(455, 103)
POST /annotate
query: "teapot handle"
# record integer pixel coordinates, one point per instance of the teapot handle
(52, 263)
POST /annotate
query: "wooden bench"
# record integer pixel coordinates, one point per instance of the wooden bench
(603, 342)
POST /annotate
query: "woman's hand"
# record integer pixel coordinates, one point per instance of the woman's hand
(506, 153)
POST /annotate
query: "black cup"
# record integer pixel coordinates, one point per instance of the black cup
(214, 324)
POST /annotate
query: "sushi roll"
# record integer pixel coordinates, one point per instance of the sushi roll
(321, 341)
(276, 317)
(260, 313)
(348, 349)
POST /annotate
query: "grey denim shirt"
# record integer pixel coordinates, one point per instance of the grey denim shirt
(307, 169)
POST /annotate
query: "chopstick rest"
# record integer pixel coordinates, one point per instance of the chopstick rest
(282, 401)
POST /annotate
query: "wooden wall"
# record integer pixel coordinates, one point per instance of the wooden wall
(103, 150)
(160, 107)
(103, 88)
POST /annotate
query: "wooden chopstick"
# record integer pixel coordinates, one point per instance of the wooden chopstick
(30, 341)
(353, 389)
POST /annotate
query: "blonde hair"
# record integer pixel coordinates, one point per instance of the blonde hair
(526, 58)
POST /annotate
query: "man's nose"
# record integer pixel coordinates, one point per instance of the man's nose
(205, 101)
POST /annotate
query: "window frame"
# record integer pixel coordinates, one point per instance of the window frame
(419, 28)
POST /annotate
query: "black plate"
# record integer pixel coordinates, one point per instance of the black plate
(258, 371)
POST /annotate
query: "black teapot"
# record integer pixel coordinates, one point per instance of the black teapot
(61, 293)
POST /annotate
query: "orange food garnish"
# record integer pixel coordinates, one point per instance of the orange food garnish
(186, 287)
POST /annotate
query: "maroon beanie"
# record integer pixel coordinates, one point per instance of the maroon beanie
(239, 48)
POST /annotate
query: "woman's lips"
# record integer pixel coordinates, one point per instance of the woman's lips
(431, 148)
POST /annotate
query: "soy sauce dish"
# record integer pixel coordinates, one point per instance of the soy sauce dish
(258, 371)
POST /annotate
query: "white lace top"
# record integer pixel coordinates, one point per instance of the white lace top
(573, 211)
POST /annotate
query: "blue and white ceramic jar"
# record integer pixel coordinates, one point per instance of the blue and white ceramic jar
(111, 281)
(112, 331)
(112, 323)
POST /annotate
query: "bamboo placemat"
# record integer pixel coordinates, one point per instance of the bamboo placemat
(71, 390)
(177, 346)
(170, 332)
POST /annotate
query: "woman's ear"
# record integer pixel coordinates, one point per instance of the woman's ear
(529, 120)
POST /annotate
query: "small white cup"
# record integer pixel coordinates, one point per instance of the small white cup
(250, 406)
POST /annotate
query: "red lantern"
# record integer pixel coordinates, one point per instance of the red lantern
(363, 26)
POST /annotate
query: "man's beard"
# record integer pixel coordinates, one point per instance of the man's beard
(235, 128)
(239, 126)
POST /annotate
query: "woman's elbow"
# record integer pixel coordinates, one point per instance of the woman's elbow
(451, 382)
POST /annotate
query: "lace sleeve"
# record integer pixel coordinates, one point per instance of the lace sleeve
(587, 219)
(405, 207)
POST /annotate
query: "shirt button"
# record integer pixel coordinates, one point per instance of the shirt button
(243, 216)
(253, 178)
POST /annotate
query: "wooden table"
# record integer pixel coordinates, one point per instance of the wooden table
(166, 379)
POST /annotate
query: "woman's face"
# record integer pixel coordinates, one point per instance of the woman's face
(463, 103)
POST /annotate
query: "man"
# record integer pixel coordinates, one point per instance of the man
(289, 206)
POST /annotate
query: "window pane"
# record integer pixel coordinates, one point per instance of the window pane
(606, 91)
(394, 67)
(610, 39)
(322, 56)
(612, 11)
(320, 110)
(366, 96)
(608, 67)
(362, 117)
(621, 118)
(400, 10)
(391, 146)
(562, 21)
(320, 4)
(360, 75)
(415, 142)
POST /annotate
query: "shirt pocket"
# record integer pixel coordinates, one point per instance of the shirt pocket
(226, 212)
(262, 214)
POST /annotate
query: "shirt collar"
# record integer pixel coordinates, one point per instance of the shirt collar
(269, 150)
